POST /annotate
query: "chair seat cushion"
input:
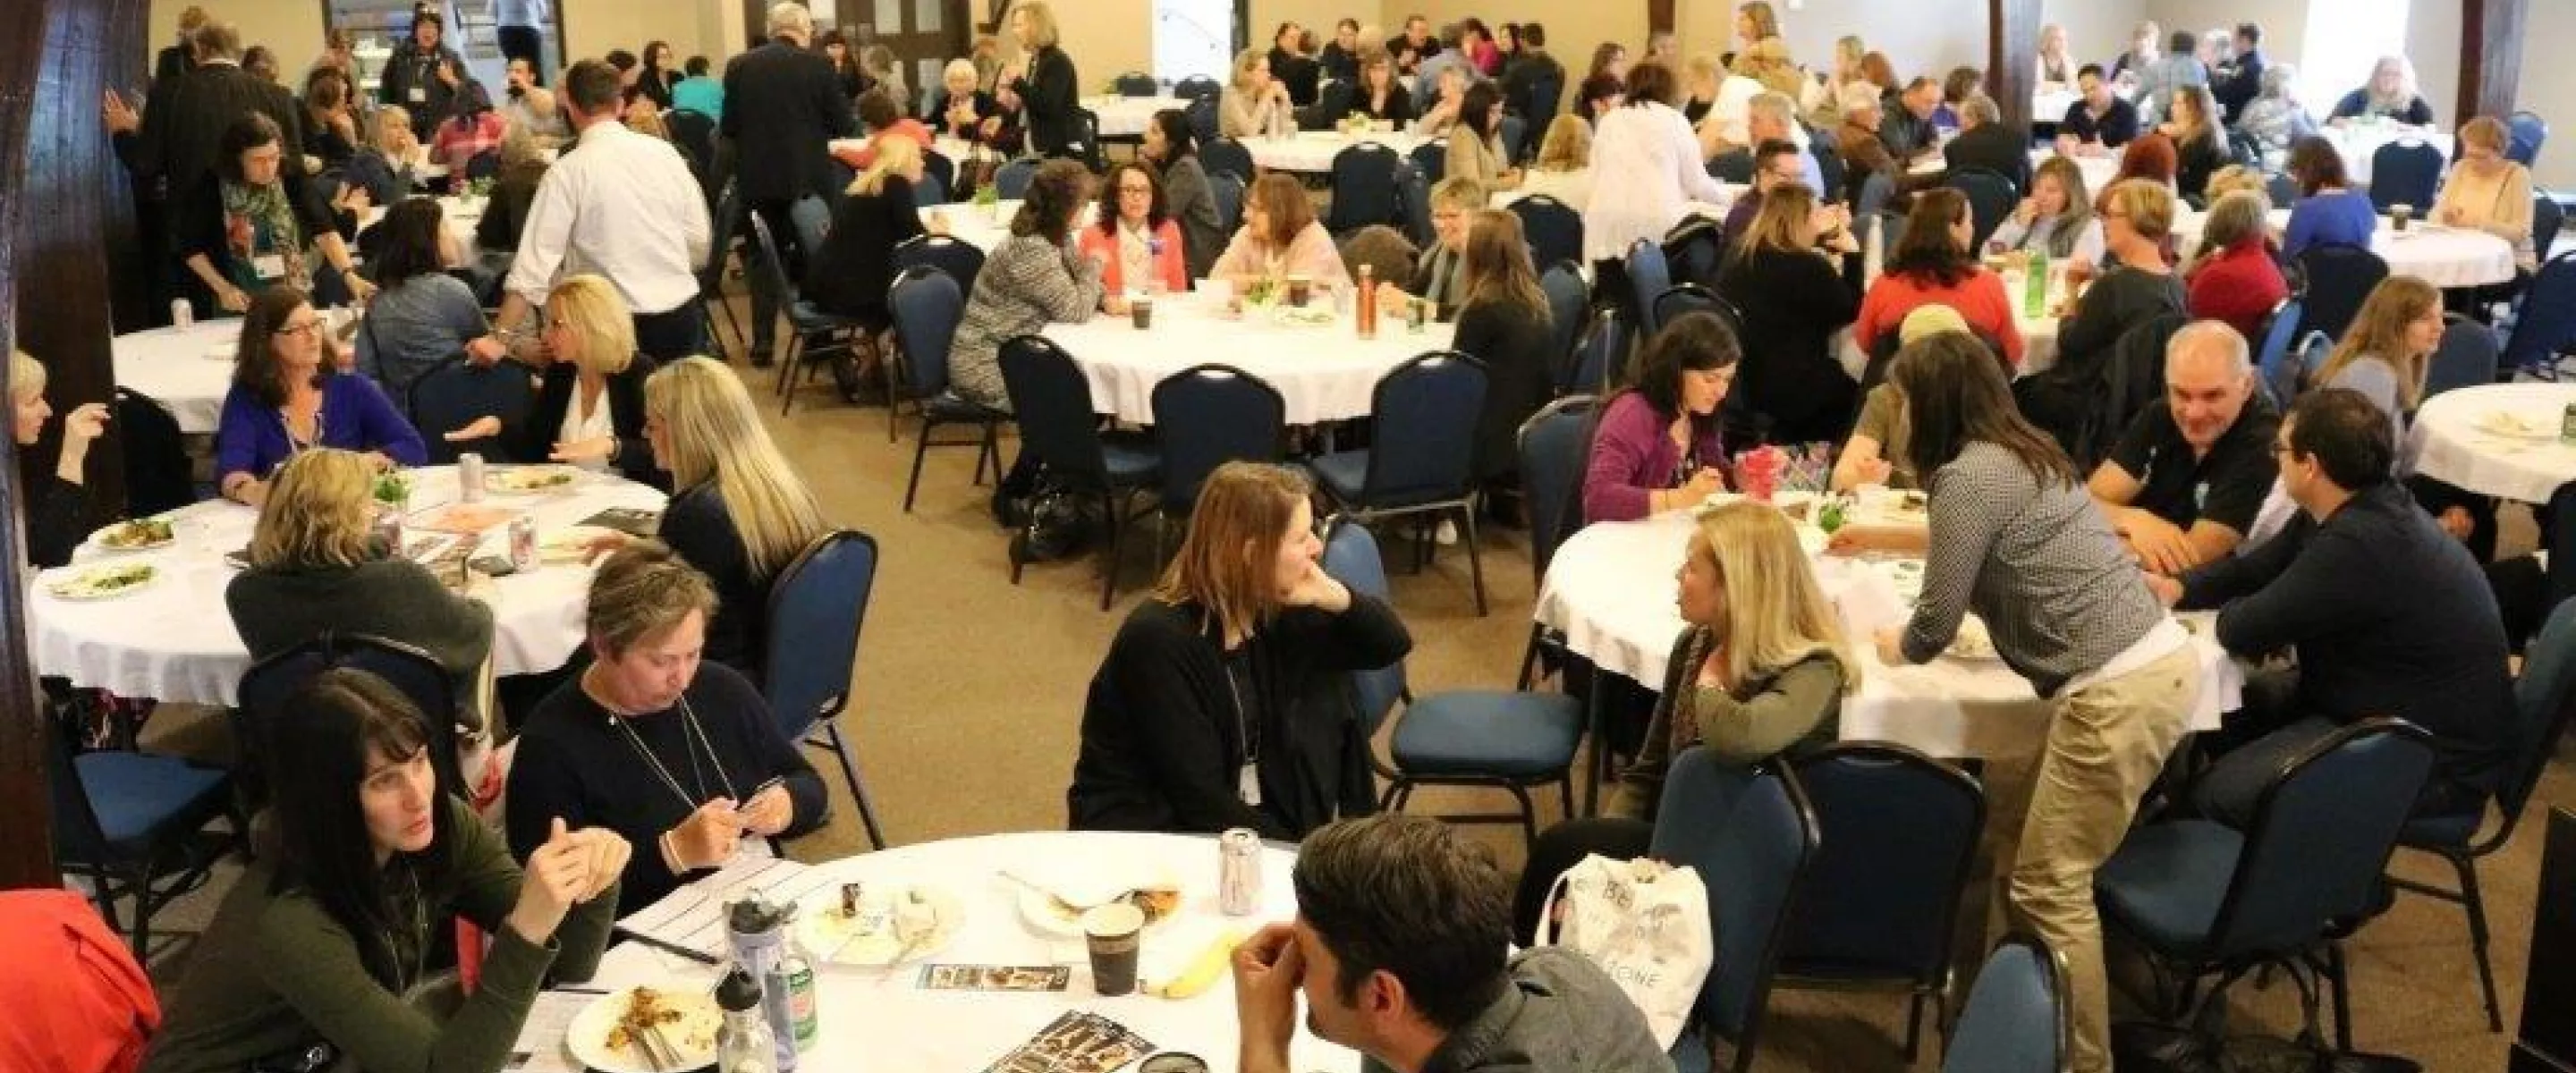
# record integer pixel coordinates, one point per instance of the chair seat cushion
(1342, 474)
(946, 406)
(1483, 732)
(808, 317)
(2452, 831)
(1131, 462)
(135, 794)
(2168, 880)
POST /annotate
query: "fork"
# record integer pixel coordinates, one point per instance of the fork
(644, 1043)
(670, 1057)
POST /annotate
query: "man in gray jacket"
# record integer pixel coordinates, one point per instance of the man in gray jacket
(1400, 947)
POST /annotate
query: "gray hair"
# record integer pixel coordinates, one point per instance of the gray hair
(1980, 110)
(2281, 80)
(788, 16)
(2215, 335)
(1775, 106)
(959, 68)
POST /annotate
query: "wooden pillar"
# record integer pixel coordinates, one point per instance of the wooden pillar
(70, 203)
(1659, 17)
(2012, 28)
(2490, 57)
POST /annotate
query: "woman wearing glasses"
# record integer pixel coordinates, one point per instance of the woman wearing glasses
(285, 398)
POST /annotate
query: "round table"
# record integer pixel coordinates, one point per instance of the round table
(2358, 141)
(1126, 117)
(1610, 589)
(2038, 334)
(2441, 255)
(1313, 151)
(459, 215)
(1323, 372)
(190, 653)
(186, 370)
(980, 226)
(881, 1019)
(2455, 439)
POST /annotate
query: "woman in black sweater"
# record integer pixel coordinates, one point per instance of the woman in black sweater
(1503, 322)
(675, 762)
(58, 505)
(1794, 300)
(1380, 95)
(589, 409)
(1225, 700)
(856, 264)
(1046, 90)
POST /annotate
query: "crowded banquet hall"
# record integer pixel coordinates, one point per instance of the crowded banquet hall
(2004, 536)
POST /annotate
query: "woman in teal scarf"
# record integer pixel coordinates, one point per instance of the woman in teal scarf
(247, 227)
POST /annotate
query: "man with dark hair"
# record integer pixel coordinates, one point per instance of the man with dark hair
(2241, 79)
(1413, 46)
(1775, 163)
(422, 77)
(621, 204)
(1525, 72)
(1399, 945)
(173, 141)
(2099, 120)
(1906, 128)
(2388, 616)
(1985, 143)
(786, 107)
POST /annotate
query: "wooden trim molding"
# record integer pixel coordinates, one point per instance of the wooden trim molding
(2490, 57)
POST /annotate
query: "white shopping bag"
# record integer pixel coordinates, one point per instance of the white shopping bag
(1645, 923)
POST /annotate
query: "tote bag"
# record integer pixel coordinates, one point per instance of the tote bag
(1645, 923)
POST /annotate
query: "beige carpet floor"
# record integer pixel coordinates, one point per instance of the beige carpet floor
(969, 694)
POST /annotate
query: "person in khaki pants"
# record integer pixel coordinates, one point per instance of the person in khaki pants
(2014, 537)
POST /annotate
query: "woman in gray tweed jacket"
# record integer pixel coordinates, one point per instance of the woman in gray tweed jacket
(1032, 279)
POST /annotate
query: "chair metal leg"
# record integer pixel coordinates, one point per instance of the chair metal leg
(1475, 558)
(1109, 570)
(141, 885)
(2337, 978)
(1597, 762)
(1529, 815)
(920, 448)
(989, 455)
(788, 363)
(787, 372)
(2475, 903)
(1565, 793)
(858, 791)
(1913, 1026)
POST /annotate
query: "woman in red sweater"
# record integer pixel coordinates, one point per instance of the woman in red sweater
(1133, 236)
(1931, 264)
(2233, 276)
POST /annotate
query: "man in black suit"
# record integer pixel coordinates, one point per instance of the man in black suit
(179, 57)
(2238, 83)
(783, 107)
(1985, 142)
(173, 142)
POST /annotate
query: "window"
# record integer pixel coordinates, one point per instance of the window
(1192, 38)
(2345, 40)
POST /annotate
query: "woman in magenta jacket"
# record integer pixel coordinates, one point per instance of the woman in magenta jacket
(1657, 448)
(1133, 236)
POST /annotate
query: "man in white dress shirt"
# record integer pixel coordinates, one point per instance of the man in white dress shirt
(623, 205)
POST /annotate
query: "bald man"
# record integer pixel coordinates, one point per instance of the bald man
(2184, 483)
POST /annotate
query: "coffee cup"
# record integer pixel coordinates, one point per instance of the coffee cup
(1300, 288)
(2401, 215)
(1141, 309)
(1114, 934)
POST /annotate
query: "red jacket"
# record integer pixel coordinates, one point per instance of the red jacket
(1980, 300)
(1168, 263)
(2239, 285)
(72, 1000)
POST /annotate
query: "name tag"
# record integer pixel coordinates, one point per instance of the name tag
(268, 266)
(1247, 785)
(419, 94)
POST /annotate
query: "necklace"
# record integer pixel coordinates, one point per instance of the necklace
(693, 738)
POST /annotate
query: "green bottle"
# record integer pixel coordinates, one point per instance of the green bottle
(2035, 285)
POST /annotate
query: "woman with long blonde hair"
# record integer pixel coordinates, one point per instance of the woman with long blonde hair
(1225, 700)
(2384, 353)
(1563, 169)
(740, 513)
(589, 409)
(1794, 302)
(315, 569)
(851, 272)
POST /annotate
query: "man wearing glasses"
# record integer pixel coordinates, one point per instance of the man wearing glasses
(2388, 616)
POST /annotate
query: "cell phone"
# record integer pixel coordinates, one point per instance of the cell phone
(493, 565)
(756, 791)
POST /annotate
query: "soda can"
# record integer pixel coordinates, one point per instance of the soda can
(523, 543)
(182, 315)
(389, 533)
(1238, 878)
(469, 478)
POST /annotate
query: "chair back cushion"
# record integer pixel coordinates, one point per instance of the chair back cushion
(1431, 158)
(936, 165)
(1209, 415)
(2546, 219)
(1137, 84)
(2526, 131)
(2547, 324)
(1682, 299)
(1011, 180)
(1567, 295)
(2407, 171)
(1750, 835)
(1733, 166)
(2467, 356)
(2278, 374)
(1351, 557)
(2338, 278)
(820, 600)
(2015, 1020)
(947, 253)
(1554, 229)
(457, 392)
(1052, 401)
(1226, 189)
(926, 306)
(1225, 155)
(2321, 837)
(414, 673)
(1363, 188)
(1899, 830)
(1555, 444)
(157, 471)
(1649, 275)
(1603, 343)
(1423, 430)
(1694, 250)
(2542, 698)
(1991, 198)
(1198, 88)
(1202, 114)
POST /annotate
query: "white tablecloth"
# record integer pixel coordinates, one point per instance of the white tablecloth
(2357, 141)
(2049, 106)
(1126, 117)
(2038, 335)
(459, 215)
(2449, 443)
(1323, 373)
(877, 1019)
(186, 370)
(2439, 255)
(980, 226)
(1313, 150)
(174, 640)
(1611, 589)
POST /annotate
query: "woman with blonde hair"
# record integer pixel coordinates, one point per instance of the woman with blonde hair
(589, 408)
(1563, 169)
(57, 506)
(315, 568)
(1760, 669)
(1767, 62)
(1225, 700)
(739, 514)
(2487, 191)
(1794, 302)
(2385, 352)
(1042, 86)
(1755, 23)
(1280, 237)
(1503, 321)
(877, 212)
(389, 166)
(2390, 93)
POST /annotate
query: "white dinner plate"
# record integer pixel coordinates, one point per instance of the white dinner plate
(876, 938)
(100, 541)
(91, 582)
(2516, 426)
(1051, 917)
(692, 1033)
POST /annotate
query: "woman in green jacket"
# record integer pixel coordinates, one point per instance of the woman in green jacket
(318, 943)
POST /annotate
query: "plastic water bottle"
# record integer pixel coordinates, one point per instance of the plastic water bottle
(2035, 286)
(758, 931)
(744, 1044)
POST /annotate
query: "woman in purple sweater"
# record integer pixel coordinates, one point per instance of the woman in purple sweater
(1657, 448)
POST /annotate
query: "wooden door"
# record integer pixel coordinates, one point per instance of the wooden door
(924, 34)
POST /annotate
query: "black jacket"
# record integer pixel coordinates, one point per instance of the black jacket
(180, 136)
(699, 527)
(1162, 744)
(1514, 343)
(849, 276)
(411, 69)
(625, 394)
(198, 225)
(1793, 303)
(2239, 84)
(783, 107)
(1993, 147)
(57, 521)
(1048, 96)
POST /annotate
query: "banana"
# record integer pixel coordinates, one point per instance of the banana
(1203, 971)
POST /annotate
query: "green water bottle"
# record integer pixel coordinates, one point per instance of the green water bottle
(2034, 285)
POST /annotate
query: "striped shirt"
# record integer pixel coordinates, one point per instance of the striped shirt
(2036, 561)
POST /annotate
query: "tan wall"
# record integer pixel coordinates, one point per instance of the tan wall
(291, 28)
(1934, 36)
